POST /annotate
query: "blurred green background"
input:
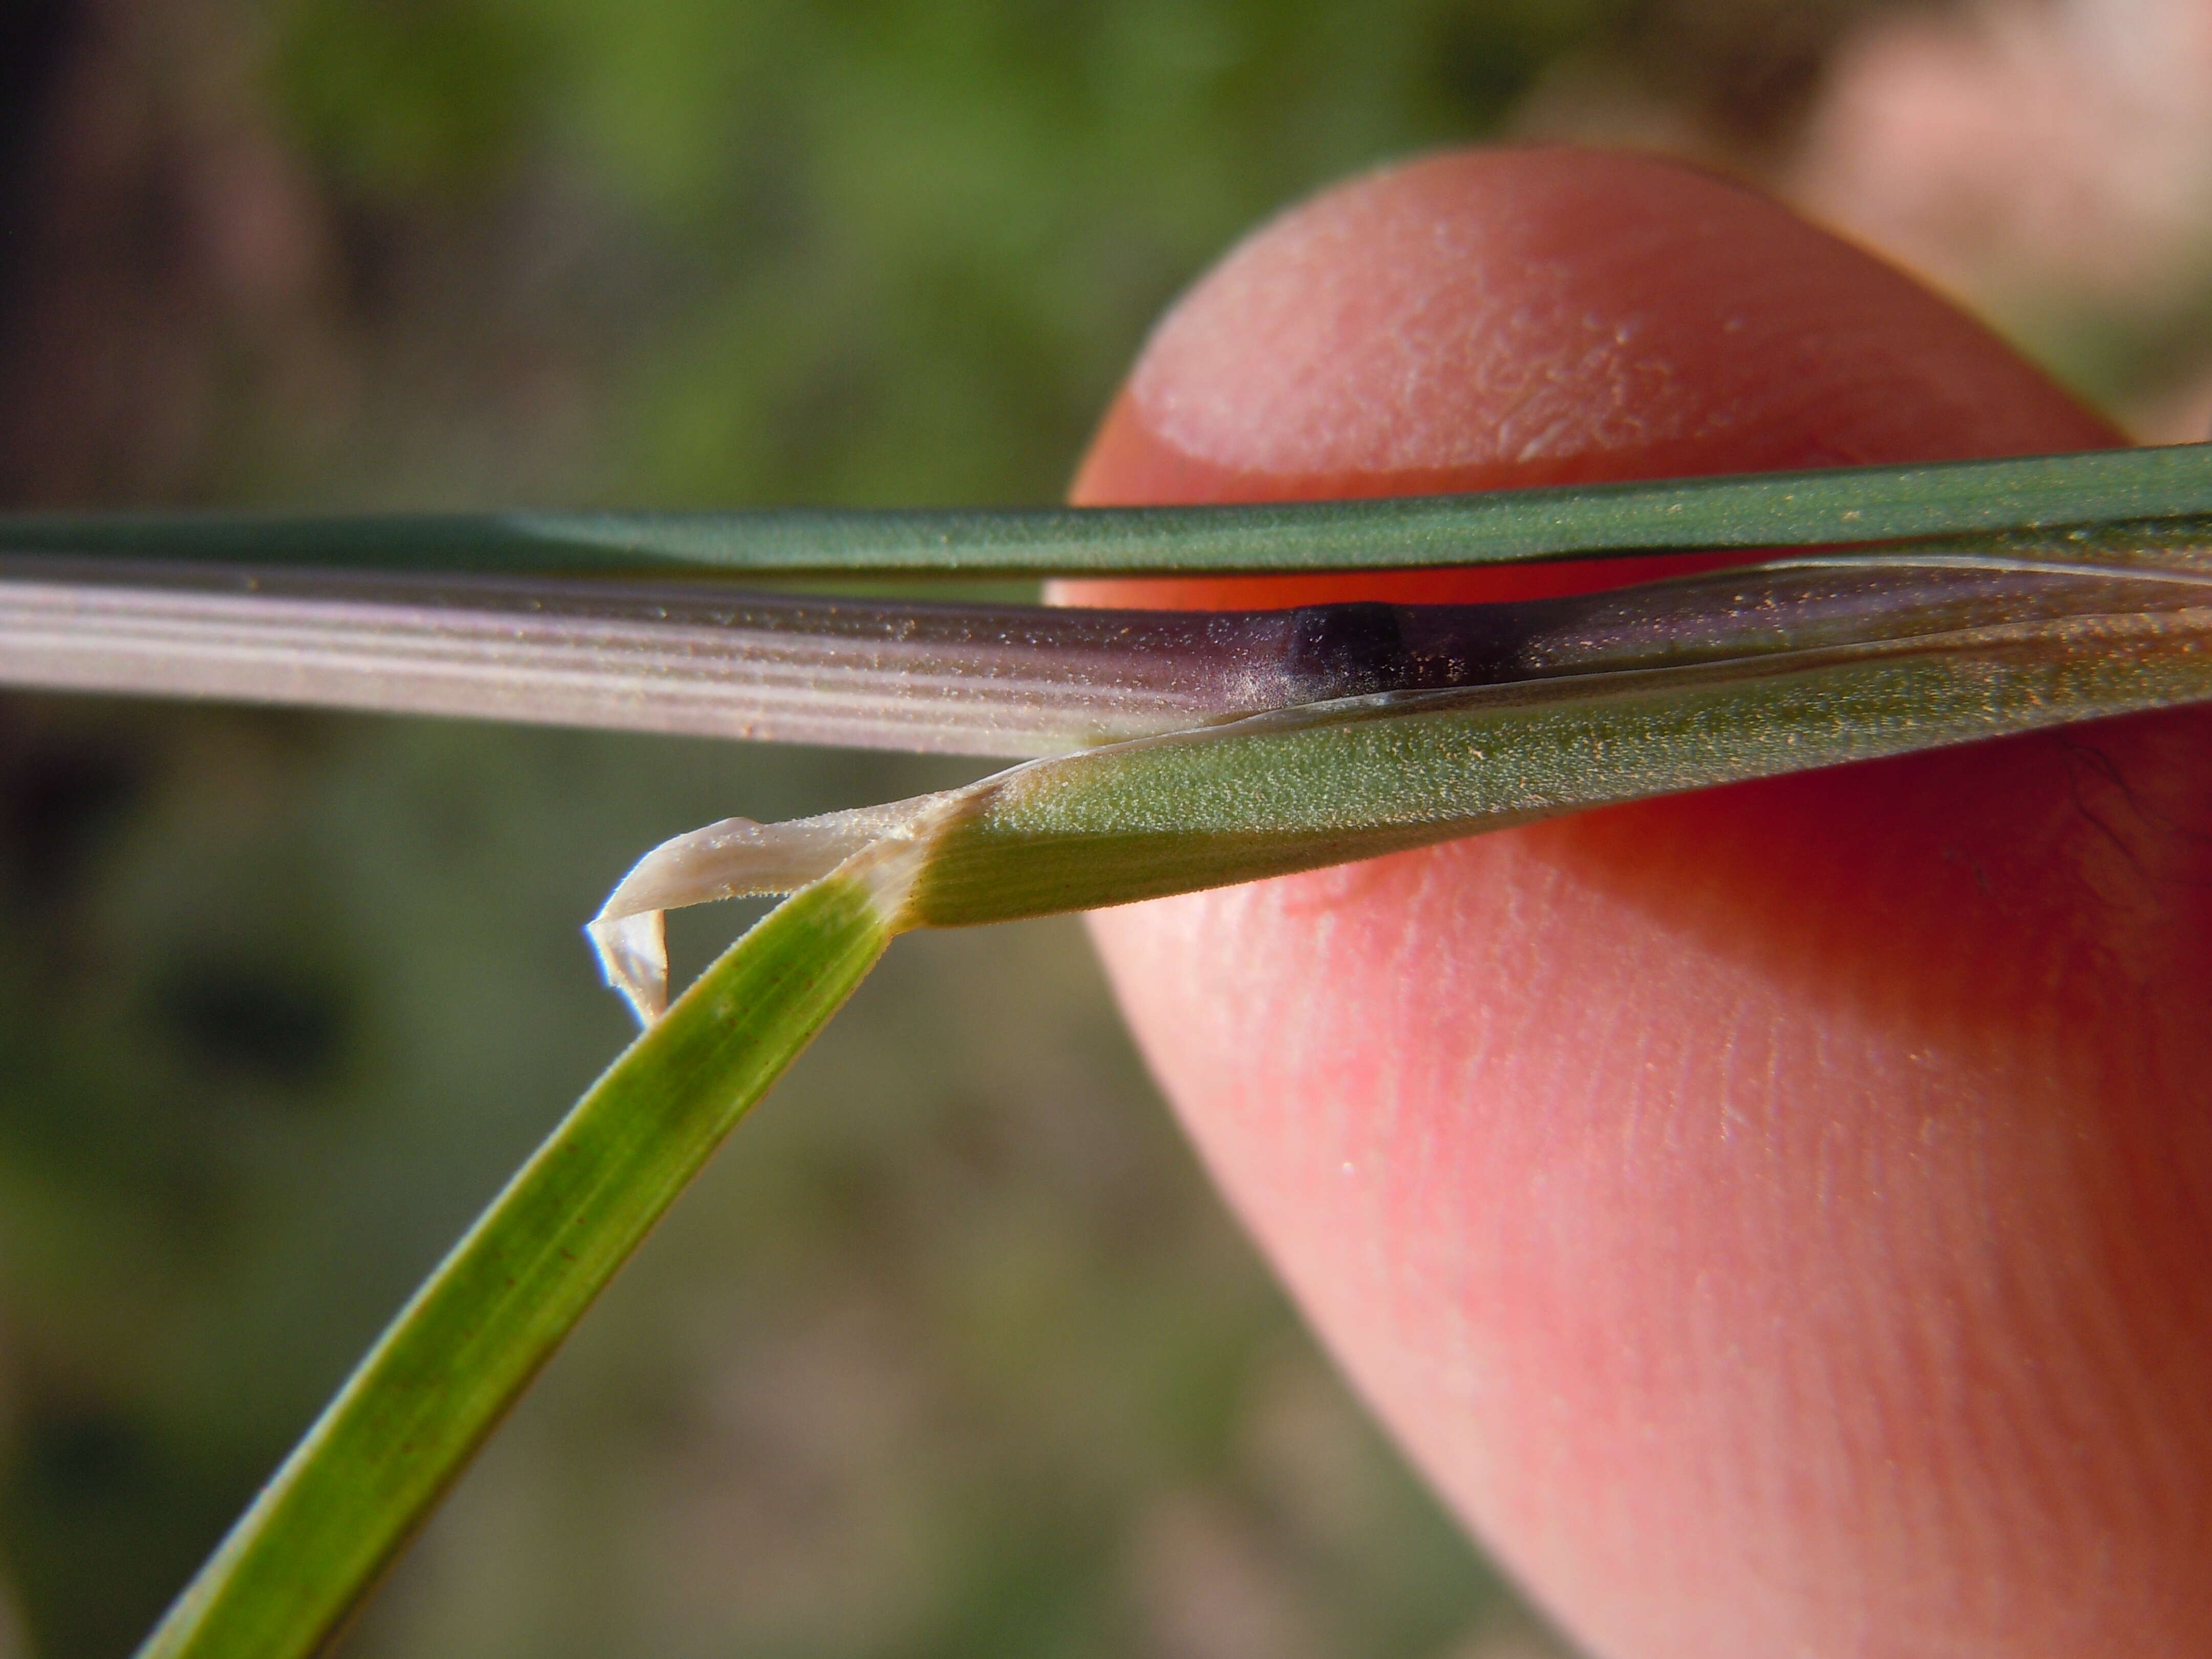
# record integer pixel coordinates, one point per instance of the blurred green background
(951, 1352)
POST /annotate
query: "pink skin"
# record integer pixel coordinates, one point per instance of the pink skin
(1778, 1219)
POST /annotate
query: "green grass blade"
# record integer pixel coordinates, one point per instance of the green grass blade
(406, 1423)
(1836, 506)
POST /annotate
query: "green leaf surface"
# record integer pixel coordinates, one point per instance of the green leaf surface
(1831, 506)
(455, 1360)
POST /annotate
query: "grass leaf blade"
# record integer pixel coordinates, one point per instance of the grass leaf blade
(465, 1347)
(1829, 507)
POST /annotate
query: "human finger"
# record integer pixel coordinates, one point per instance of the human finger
(1774, 1217)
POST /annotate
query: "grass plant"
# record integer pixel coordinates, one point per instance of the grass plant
(1931, 606)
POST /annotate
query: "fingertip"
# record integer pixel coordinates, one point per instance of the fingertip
(1767, 1214)
(1507, 319)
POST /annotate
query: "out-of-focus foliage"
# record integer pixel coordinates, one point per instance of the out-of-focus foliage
(677, 250)
(880, 251)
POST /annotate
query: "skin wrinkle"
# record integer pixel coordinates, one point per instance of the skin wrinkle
(1781, 1214)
